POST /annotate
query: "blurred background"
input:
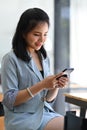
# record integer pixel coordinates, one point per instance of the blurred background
(66, 43)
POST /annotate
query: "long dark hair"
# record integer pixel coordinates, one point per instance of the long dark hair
(28, 21)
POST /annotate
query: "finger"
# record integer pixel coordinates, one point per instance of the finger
(55, 83)
(64, 79)
(57, 86)
(58, 75)
(62, 84)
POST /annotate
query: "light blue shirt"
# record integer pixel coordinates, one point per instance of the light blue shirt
(17, 75)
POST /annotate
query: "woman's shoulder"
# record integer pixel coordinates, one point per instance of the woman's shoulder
(9, 56)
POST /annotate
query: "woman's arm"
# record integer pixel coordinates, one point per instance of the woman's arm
(60, 83)
(48, 83)
(51, 95)
(24, 95)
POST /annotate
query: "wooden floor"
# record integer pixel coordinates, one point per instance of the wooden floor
(2, 123)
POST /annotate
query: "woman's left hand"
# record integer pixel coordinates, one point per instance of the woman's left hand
(61, 82)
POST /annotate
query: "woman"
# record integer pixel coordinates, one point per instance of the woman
(27, 84)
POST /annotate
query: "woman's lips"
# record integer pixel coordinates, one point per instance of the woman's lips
(38, 44)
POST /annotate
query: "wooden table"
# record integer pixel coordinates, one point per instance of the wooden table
(1, 97)
(2, 126)
(79, 99)
(1, 106)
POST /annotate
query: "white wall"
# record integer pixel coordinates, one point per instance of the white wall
(10, 12)
(78, 41)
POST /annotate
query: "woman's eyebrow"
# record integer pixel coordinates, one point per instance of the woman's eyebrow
(39, 32)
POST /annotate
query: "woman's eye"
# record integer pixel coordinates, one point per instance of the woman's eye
(45, 34)
(40, 35)
(36, 35)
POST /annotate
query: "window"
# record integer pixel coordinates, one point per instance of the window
(78, 41)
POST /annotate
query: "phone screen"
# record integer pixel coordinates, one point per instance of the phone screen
(68, 70)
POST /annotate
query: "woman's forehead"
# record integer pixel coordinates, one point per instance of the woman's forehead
(41, 26)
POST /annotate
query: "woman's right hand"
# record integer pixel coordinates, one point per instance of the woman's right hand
(50, 82)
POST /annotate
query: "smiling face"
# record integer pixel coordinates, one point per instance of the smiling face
(36, 38)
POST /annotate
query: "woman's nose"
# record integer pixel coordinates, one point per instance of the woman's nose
(41, 39)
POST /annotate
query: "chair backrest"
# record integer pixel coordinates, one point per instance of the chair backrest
(1, 110)
(73, 122)
(2, 126)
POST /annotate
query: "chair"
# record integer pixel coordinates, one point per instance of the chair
(1, 110)
(1, 117)
(73, 122)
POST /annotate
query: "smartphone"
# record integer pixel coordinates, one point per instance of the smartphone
(66, 72)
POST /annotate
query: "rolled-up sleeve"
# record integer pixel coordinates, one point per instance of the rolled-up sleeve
(9, 81)
(9, 99)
